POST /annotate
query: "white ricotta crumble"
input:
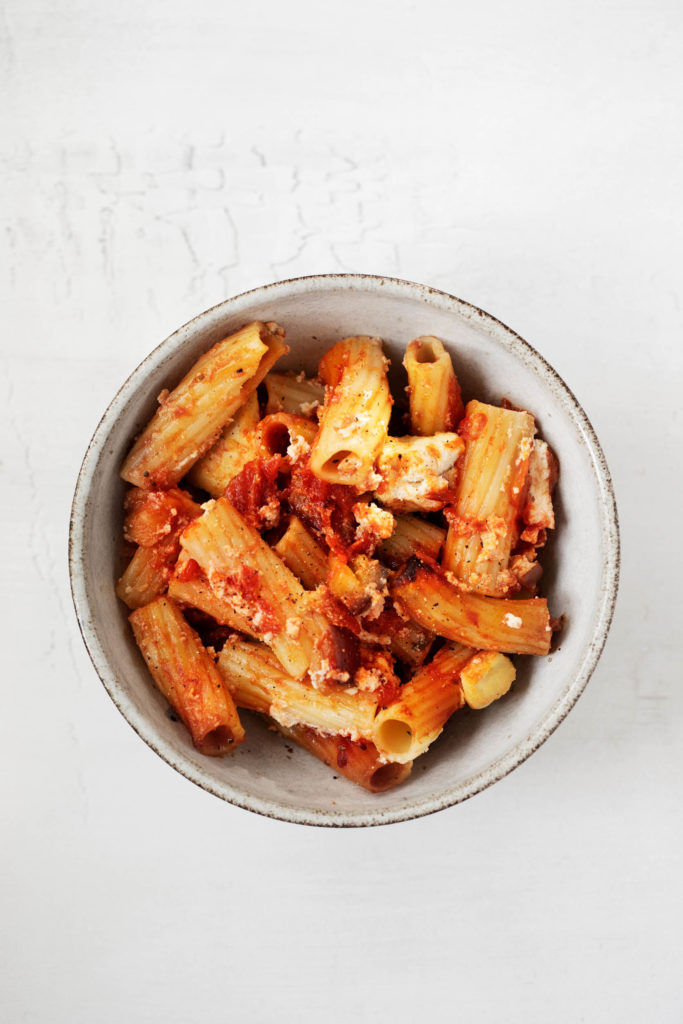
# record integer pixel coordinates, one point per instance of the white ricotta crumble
(293, 627)
(512, 621)
(308, 407)
(298, 448)
(373, 519)
(317, 676)
(524, 450)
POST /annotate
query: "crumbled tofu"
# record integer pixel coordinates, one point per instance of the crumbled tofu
(367, 679)
(269, 514)
(293, 627)
(317, 676)
(524, 452)
(377, 669)
(538, 510)
(298, 448)
(372, 481)
(512, 621)
(324, 672)
(374, 520)
(308, 407)
(413, 471)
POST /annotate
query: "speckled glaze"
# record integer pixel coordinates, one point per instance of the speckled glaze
(581, 562)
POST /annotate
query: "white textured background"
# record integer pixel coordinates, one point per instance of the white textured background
(158, 157)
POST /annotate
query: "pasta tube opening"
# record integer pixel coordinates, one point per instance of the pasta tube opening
(394, 737)
(287, 435)
(333, 465)
(355, 417)
(219, 741)
(424, 353)
(388, 776)
(433, 388)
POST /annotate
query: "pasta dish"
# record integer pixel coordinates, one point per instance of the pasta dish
(355, 569)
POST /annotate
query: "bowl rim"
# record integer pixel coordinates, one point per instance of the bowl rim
(609, 526)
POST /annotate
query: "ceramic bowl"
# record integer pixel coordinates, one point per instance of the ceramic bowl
(581, 562)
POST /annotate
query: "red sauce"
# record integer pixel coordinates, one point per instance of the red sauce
(152, 516)
(454, 409)
(189, 571)
(326, 508)
(164, 556)
(332, 367)
(255, 492)
(463, 526)
(337, 613)
(246, 581)
(472, 427)
(382, 662)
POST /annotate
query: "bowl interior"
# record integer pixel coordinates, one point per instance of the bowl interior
(267, 774)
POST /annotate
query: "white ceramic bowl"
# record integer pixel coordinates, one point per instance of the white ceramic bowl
(581, 562)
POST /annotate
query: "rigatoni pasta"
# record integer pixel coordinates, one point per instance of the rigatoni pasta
(358, 761)
(412, 536)
(296, 393)
(187, 676)
(301, 553)
(425, 594)
(243, 570)
(190, 417)
(293, 559)
(433, 388)
(486, 510)
(154, 521)
(257, 681)
(410, 725)
(355, 417)
(229, 455)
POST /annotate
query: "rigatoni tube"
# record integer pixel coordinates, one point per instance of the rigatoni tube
(411, 536)
(190, 587)
(433, 389)
(357, 760)
(191, 417)
(355, 416)
(226, 458)
(495, 624)
(246, 573)
(154, 521)
(406, 728)
(258, 682)
(484, 518)
(301, 553)
(187, 676)
(289, 392)
(486, 677)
